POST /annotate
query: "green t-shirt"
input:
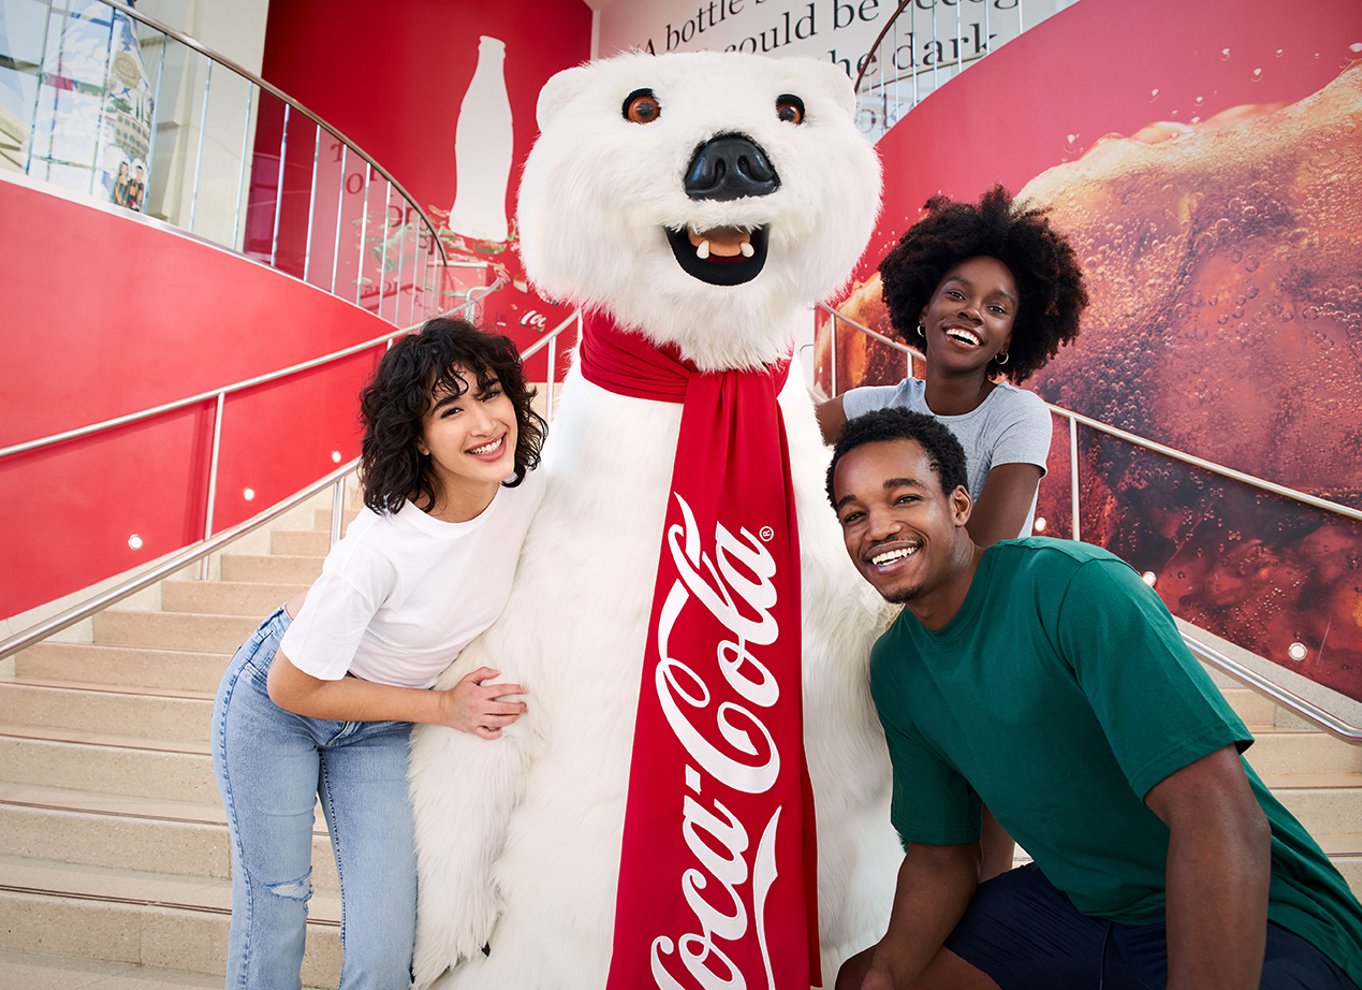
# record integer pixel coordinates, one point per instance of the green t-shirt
(1059, 695)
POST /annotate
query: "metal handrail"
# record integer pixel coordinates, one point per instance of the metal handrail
(217, 393)
(211, 544)
(1145, 443)
(875, 45)
(173, 563)
(1274, 691)
(273, 90)
(544, 341)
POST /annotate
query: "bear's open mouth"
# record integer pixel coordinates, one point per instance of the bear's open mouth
(721, 255)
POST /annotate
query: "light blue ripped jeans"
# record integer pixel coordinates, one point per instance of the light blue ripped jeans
(271, 766)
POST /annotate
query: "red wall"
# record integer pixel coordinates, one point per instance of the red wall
(391, 77)
(107, 314)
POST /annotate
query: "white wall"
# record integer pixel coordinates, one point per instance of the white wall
(234, 29)
(938, 33)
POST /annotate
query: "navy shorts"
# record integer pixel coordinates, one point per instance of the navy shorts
(1027, 935)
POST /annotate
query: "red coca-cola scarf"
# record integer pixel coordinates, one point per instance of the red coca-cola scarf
(717, 883)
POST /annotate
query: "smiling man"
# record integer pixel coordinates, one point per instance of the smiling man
(1045, 679)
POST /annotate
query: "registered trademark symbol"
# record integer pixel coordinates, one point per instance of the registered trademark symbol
(767, 534)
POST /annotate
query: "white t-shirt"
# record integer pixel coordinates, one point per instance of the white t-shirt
(1011, 426)
(402, 594)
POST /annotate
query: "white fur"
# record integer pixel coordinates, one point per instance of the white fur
(519, 839)
(598, 192)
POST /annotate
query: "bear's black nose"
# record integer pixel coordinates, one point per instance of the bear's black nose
(730, 166)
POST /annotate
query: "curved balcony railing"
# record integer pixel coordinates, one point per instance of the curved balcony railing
(103, 101)
(924, 43)
(212, 541)
(1276, 677)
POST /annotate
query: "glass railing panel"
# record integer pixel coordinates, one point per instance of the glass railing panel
(394, 255)
(104, 104)
(180, 77)
(224, 132)
(431, 282)
(294, 228)
(404, 236)
(1277, 577)
(414, 273)
(348, 245)
(323, 207)
(68, 51)
(369, 282)
(262, 197)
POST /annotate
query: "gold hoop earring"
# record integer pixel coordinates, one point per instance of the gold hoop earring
(1001, 359)
(921, 330)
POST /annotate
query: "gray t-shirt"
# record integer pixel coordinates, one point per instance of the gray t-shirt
(1011, 426)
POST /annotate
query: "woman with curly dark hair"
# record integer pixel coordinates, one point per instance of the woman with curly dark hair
(989, 292)
(320, 701)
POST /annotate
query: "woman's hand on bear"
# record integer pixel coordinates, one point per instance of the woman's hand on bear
(479, 708)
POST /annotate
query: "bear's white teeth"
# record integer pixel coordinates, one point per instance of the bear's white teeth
(722, 242)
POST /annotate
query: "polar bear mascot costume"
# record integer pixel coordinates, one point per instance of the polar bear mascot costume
(692, 636)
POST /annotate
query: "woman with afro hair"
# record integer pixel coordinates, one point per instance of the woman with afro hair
(989, 293)
(319, 702)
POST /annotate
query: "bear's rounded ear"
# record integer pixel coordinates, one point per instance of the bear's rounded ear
(559, 91)
(831, 81)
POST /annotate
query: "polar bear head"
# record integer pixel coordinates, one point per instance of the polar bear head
(701, 199)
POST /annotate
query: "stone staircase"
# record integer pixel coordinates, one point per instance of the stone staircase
(114, 857)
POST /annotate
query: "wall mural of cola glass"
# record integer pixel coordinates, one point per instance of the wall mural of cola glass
(1206, 163)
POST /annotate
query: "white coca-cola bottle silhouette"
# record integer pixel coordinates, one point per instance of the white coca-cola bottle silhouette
(482, 149)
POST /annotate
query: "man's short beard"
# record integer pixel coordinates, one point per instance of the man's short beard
(902, 596)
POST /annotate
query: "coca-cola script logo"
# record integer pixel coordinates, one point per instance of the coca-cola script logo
(734, 750)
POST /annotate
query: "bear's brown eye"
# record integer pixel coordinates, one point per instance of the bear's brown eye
(790, 109)
(641, 107)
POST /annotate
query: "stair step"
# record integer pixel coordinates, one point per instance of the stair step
(1292, 750)
(173, 630)
(300, 542)
(130, 836)
(1325, 803)
(31, 971)
(1255, 709)
(227, 597)
(1351, 868)
(142, 716)
(151, 919)
(122, 666)
(274, 568)
(321, 519)
(106, 764)
(1341, 844)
